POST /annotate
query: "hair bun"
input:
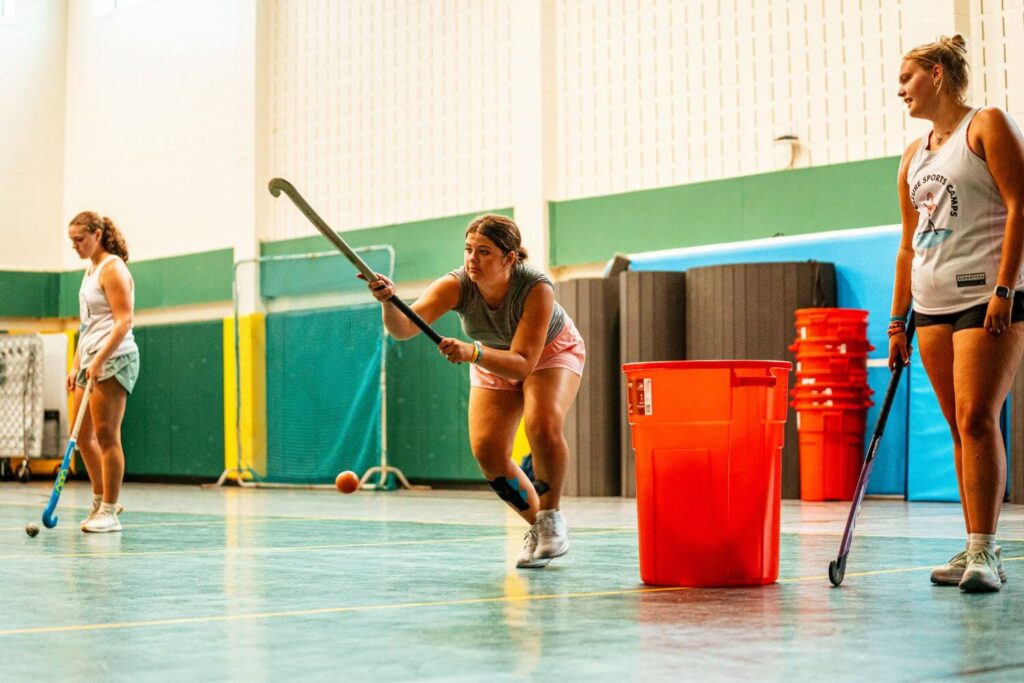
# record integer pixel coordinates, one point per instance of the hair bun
(956, 43)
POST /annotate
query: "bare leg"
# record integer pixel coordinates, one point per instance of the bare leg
(107, 410)
(548, 394)
(983, 370)
(936, 342)
(493, 420)
(88, 446)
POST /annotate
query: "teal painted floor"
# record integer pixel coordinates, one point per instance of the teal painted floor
(272, 585)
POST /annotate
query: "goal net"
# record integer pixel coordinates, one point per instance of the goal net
(325, 346)
(21, 395)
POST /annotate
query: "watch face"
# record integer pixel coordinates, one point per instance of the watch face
(1003, 292)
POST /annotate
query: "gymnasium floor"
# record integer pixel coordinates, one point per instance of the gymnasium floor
(271, 585)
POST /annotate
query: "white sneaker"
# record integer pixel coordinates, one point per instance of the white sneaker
(982, 572)
(552, 535)
(94, 511)
(952, 572)
(102, 522)
(526, 558)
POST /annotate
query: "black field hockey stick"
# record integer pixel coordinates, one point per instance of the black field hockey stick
(278, 185)
(837, 567)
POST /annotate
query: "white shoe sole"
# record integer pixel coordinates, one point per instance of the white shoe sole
(118, 511)
(550, 556)
(103, 530)
(535, 563)
(955, 579)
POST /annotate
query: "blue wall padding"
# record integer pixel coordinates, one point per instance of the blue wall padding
(889, 475)
(864, 260)
(931, 474)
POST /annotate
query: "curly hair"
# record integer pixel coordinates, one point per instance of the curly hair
(111, 239)
(951, 55)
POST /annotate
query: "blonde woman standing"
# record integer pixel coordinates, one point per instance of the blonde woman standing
(106, 354)
(961, 192)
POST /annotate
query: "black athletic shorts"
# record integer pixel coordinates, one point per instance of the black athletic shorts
(971, 317)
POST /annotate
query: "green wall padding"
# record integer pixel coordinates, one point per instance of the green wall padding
(323, 393)
(423, 249)
(199, 278)
(174, 421)
(332, 273)
(428, 400)
(841, 196)
(25, 294)
(70, 282)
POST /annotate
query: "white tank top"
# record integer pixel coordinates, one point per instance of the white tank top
(98, 318)
(958, 242)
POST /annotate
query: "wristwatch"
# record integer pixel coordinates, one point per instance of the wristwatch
(1003, 292)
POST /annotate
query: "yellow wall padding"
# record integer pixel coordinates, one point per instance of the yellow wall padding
(252, 356)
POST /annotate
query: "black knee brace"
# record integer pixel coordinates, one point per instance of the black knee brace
(508, 490)
(527, 467)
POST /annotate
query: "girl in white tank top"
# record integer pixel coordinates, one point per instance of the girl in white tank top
(962, 220)
(960, 261)
(108, 357)
(97, 316)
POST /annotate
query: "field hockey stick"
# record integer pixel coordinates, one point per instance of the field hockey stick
(837, 567)
(278, 185)
(49, 519)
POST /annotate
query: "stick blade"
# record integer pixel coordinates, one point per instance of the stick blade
(837, 570)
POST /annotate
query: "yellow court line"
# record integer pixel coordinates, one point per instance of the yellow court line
(333, 610)
(256, 550)
(410, 605)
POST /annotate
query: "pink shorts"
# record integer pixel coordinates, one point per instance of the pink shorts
(565, 351)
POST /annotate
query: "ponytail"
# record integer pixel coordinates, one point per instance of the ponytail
(111, 239)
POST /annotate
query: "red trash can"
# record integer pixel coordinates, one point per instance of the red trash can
(708, 440)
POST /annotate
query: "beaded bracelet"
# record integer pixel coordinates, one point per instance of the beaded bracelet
(897, 327)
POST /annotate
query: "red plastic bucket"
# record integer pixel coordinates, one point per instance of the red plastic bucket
(832, 364)
(839, 347)
(831, 451)
(825, 391)
(849, 323)
(708, 440)
(859, 377)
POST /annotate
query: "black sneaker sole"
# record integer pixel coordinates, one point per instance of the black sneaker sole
(977, 585)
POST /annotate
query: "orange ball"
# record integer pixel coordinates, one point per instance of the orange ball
(347, 482)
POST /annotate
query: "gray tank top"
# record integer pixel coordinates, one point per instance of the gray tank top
(496, 327)
(958, 242)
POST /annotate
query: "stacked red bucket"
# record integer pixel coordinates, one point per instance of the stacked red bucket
(831, 398)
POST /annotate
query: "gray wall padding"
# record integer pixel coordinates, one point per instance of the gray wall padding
(746, 312)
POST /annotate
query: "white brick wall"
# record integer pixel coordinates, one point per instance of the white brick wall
(33, 59)
(390, 111)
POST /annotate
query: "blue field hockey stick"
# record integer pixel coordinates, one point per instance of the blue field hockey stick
(49, 519)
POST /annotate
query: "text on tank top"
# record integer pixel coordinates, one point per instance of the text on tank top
(961, 223)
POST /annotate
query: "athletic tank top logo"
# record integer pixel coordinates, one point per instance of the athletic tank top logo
(937, 204)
